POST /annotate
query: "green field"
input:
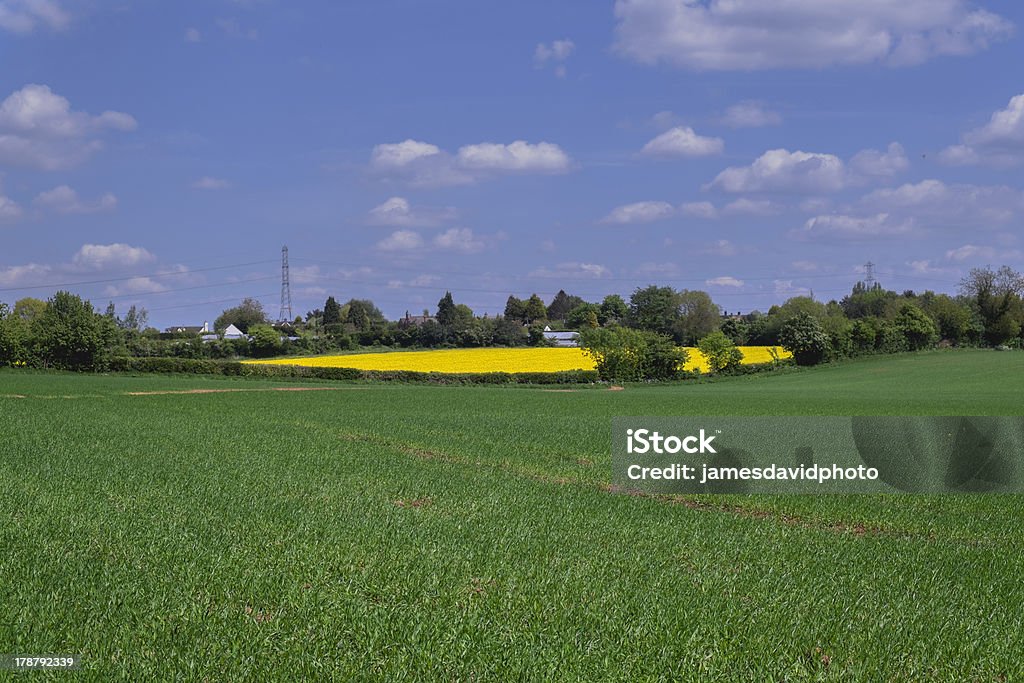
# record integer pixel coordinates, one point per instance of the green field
(415, 532)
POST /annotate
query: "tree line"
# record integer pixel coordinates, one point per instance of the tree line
(67, 332)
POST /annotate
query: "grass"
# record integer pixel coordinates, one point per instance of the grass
(465, 533)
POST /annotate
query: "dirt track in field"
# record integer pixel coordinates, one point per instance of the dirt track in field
(226, 391)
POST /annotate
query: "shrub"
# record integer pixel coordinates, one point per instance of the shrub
(804, 337)
(622, 354)
(917, 327)
(722, 355)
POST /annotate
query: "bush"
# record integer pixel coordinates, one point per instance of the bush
(236, 369)
(804, 337)
(722, 355)
(627, 355)
(917, 327)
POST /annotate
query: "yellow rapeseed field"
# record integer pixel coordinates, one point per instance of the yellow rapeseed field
(491, 360)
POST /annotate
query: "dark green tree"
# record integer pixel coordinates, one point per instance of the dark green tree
(917, 327)
(622, 354)
(245, 315)
(698, 317)
(613, 310)
(332, 312)
(534, 310)
(804, 337)
(70, 335)
(721, 354)
(561, 305)
(446, 311)
(515, 309)
(655, 309)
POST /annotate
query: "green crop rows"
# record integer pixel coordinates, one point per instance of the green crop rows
(466, 533)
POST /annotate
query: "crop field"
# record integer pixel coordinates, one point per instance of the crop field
(496, 360)
(226, 529)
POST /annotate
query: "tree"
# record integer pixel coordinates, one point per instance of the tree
(135, 320)
(916, 326)
(243, 316)
(332, 312)
(720, 352)
(29, 308)
(613, 310)
(534, 310)
(264, 341)
(952, 317)
(655, 309)
(14, 338)
(622, 354)
(996, 296)
(804, 337)
(584, 315)
(69, 335)
(736, 329)
(561, 305)
(866, 301)
(446, 310)
(515, 309)
(698, 316)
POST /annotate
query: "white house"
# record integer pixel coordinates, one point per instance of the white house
(233, 332)
(567, 339)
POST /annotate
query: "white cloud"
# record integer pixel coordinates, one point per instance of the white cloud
(854, 227)
(971, 252)
(722, 248)
(699, 210)
(401, 240)
(9, 210)
(542, 157)
(427, 165)
(724, 281)
(751, 207)
(975, 206)
(459, 239)
(24, 16)
(402, 154)
(816, 205)
(554, 53)
(558, 51)
(804, 266)
(682, 141)
(811, 34)
(397, 212)
(102, 256)
(64, 199)
(639, 212)
(786, 288)
(38, 129)
(572, 270)
(1000, 142)
(779, 170)
(750, 114)
(650, 269)
(210, 183)
(192, 35)
(136, 285)
(25, 276)
(874, 164)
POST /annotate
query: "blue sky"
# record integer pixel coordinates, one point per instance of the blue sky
(160, 154)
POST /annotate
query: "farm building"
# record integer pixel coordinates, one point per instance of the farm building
(233, 332)
(565, 339)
